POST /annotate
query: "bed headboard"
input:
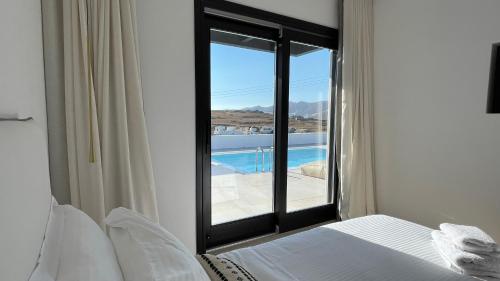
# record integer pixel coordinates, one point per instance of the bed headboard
(25, 197)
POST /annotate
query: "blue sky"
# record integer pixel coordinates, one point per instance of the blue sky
(243, 78)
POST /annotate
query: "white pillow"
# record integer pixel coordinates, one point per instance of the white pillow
(147, 252)
(86, 252)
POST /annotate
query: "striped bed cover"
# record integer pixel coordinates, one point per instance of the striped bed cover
(375, 248)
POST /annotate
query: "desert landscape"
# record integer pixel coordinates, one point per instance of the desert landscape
(304, 117)
(242, 120)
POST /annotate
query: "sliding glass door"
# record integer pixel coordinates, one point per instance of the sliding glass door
(307, 177)
(308, 125)
(264, 111)
(242, 98)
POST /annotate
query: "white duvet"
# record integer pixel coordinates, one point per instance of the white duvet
(375, 248)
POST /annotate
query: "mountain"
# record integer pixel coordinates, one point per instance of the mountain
(265, 109)
(316, 110)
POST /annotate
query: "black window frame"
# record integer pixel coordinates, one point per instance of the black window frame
(209, 236)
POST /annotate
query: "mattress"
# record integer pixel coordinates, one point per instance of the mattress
(370, 248)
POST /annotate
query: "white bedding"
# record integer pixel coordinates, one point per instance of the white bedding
(370, 248)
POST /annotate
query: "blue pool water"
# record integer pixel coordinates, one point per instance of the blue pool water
(244, 162)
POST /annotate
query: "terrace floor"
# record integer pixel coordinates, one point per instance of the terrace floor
(236, 196)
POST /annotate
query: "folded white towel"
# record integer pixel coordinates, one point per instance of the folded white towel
(470, 238)
(463, 259)
(464, 262)
(475, 273)
(469, 272)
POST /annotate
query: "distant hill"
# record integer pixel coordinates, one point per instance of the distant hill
(315, 110)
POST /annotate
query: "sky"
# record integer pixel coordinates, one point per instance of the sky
(243, 78)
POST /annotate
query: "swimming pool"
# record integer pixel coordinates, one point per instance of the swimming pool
(244, 162)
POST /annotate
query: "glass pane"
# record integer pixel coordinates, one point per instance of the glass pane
(242, 104)
(308, 125)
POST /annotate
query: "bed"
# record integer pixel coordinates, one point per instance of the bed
(65, 245)
(370, 248)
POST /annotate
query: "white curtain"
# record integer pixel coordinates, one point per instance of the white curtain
(108, 150)
(356, 146)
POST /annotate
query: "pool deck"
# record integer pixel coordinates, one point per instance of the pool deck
(236, 195)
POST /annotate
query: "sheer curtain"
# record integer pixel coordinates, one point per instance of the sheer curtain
(356, 134)
(108, 151)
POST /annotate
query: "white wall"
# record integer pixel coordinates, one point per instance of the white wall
(166, 38)
(253, 141)
(322, 12)
(24, 178)
(437, 152)
(21, 67)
